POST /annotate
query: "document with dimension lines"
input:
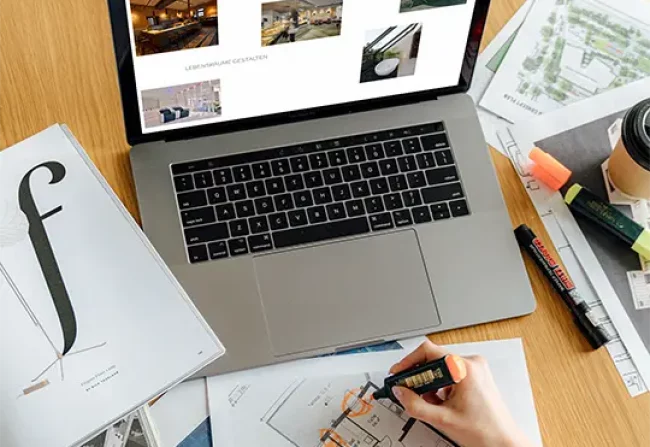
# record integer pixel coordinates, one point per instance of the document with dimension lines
(327, 402)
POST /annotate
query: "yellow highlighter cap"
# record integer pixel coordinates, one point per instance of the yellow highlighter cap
(572, 193)
(642, 244)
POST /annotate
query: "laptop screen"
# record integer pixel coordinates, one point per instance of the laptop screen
(201, 62)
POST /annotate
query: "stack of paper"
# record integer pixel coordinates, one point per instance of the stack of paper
(557, 52)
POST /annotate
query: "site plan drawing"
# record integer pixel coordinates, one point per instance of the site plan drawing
(570, 50)
(600, 282)
(327, 402)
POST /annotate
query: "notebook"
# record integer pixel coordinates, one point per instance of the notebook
(92, 323)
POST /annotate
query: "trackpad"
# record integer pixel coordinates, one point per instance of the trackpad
(344, 293)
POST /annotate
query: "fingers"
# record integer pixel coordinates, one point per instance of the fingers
(419, 408)
(426, 352)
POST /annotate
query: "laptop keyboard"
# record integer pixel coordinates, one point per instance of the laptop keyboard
(287, 196)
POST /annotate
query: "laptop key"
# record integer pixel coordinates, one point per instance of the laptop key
(341, 192)
(297, 218)
(278, 221)
(459, 208)
(217, 250)
(206, 233)
(264, 205)
(183, 183)
(412, 198)
(242, 173)
(360, 189)
(402, 218)
(380, 221)
(321, 232)
(388, 166)
(225, 211)
(442, 193)
(432, 142)
(299, 164)
(379, 186)
(337, 157)
(316, 214)
(444, 157)
(283, 202)
(238, 228)
(356, 154)
(197, 253)
(261, 170)
(374, 204)
(236, 192)
(203, 179)
(198, 216)
(442, 175)
(397, 182)
(280, 167)
(374, 151)
(255, 189)
(260, 242)
(370, 169)
(393, 201)
(274, 186)
(421, 214)
(425, 160)
(336, 211)
(440, 211)
(313, 179)
(351, 173)
(294, 182)
(318, 160)
(393, 148)
(192, 199)
(217, 195)
(416, 180)
(238, 246)
(258, 224)
(407, 163)
(245, 208)
(303, 198)
(412, 145)
(332, 176)
(222, 176)
(355, 208)
(322, 195)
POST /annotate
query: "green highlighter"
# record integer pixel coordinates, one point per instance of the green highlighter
(589, 205)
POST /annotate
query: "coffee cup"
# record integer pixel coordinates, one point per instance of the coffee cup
(629, 165)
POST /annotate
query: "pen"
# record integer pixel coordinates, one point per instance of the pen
(431, 376)
(595, 334)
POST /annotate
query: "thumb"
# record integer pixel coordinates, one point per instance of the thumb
(419, 408)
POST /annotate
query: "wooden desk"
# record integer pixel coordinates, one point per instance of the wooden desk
(57, 65)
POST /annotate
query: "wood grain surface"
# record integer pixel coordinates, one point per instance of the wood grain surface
(57, 66)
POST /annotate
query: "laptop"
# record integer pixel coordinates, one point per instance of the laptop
(313, 172)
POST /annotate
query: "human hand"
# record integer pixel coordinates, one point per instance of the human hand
(472, 413)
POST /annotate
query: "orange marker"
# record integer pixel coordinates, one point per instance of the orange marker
(431, 376)
(548, 170)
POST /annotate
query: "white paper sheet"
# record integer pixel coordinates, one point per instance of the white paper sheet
(487, 65)
(627, 349)
(569, 51)
(287, 405)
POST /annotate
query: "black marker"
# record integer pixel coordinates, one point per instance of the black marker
(431, 376)
(595, 334)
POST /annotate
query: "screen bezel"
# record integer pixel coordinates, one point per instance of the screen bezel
(120, 22)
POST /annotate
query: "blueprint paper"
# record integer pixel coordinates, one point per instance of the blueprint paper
(570, 50)
(595, 261)
(487, 65)
(301, 403)
(86, 305)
